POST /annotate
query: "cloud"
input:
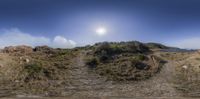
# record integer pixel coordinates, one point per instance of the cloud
(61, 42)
(189, 43)
(14, 37)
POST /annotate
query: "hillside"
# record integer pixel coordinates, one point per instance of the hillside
(107, 69)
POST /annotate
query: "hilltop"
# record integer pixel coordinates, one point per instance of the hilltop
(104, 69)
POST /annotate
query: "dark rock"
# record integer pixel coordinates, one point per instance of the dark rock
(44, 49)
(141, 66)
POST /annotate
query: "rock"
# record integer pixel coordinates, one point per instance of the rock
(17, 81)
(44, 49)
(141, 66)
(185, 67)
(18, 49)
(27, 60)
(20, 58)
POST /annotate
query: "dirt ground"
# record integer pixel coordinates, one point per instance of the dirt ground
(163, 85)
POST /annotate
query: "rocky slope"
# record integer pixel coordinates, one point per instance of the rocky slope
(124, 69)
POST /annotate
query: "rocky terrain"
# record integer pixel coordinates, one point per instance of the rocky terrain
(108, 69)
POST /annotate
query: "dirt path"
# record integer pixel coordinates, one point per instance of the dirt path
(86, 83)
(82, 80)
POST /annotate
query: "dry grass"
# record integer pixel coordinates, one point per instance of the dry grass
(53, 72)
(187, 72)
(36, 72)
(123, 65)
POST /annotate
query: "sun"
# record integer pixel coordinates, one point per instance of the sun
(101, 31)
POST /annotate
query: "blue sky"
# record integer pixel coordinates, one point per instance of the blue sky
(69, 23)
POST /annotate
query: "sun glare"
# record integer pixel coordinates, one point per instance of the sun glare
(101, 31)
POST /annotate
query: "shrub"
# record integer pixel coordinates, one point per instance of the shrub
(33, 68)
(140, 57)
(103, 48)
(104, 58)
(156, 46)
(92, 62)
(135, 47)
(118, 48)
(34, 71)
(122, 61)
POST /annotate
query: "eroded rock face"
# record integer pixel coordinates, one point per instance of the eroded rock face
(18, 49)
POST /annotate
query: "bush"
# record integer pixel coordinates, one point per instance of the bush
(103, 48)
(92, 62)
(140, 57)
(135, 47)
(156, 46)
(118, 48)
(123, 70)
(122, 61)
(33, 71)
(33, 68)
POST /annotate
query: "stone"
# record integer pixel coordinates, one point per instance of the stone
(27, 60)
(44, 49)
(185, 67)
(18, 49)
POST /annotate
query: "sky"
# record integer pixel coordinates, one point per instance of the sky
(71, 23)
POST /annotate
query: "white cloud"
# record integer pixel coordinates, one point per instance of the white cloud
(189, 43)
(61, 42)
(14, 37)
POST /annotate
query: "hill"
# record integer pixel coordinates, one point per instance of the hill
(104, 69)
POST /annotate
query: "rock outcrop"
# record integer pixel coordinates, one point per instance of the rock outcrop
(18, 49)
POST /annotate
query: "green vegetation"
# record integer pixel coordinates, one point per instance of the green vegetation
(43, 69)
(156, 46)
(120, 70)
(92, 62)
(33, 71)
(33, 68)
(140, 57)
(40, 69)
(122, 47)
(122, 61)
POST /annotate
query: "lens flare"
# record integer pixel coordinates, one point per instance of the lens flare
(101, 31)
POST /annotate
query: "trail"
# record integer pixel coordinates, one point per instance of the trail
(84, 82)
